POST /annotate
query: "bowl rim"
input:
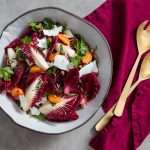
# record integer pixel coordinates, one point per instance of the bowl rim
(88, 23)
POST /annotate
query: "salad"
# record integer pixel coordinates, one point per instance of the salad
(50, 72)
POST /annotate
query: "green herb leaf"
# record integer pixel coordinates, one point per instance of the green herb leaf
(75, 61)
(51, 70)
(40, 117)
(61, 49)
(36, 26)
(19, 53)
(26, 39)
(47, 23)
(6, 73)
(81, 46)
(48, 43)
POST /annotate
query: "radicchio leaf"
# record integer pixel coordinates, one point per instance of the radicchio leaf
(5, 85)
(41, 91)
(56, 83)
(52, 47)
(65, 111)
(26, 50)
(19, 71)
(90, 85)
(71, 82)
(15, 43)
(16, 78)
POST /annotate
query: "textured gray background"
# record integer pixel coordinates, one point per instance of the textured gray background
(13, 137)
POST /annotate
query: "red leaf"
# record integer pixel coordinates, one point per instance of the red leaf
(90, 85)
(65, 111)
(71, 82)
(51, 49)
(40, 93)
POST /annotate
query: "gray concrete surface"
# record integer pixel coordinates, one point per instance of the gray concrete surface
(13, 137)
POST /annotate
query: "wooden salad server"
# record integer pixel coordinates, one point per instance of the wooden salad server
(143, 44)
(143, 75)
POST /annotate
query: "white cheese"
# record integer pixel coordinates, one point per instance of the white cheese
(89, 68)
(12, 57)
(46, 108)
(34, 111)
(61, 62)
(42, 43)
(53, 32)
(39, 59)
(66, 49)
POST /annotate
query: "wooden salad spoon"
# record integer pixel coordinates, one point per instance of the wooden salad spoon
(143, 75)
(143, 44)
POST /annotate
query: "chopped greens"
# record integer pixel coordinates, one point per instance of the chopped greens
(48, 43)
(19, 53)
(40, 117)
(47, 23)
(6, 73)
(26, 39)
(61, 49)
(75, 61)
(51, 70)
(36, 26)
(81, 46)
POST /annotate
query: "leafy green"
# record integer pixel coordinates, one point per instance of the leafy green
(6, 73)
(47, 23)
(26, 39)
(19, 53)
(75, 61)
(81, 46)
(51, 70)
(61, 49)
(36, 26)
(40, 117)
(48, 43)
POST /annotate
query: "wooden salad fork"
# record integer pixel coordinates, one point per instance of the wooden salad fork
(143, 44)
(143, 75)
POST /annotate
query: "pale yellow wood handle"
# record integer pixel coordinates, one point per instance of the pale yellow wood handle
(107, 117)
(118, 111)
(122, 101)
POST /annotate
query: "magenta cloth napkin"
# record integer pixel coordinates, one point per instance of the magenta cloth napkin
(118, 20)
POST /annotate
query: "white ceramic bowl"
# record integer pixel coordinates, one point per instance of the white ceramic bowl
(91, 34)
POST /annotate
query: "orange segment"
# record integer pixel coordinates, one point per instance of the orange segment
(54, 99)
(36, 69)
(15, 92)
(64, 39)
(87, 58)
(52, 56)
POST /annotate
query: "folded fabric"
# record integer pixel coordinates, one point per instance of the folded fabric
(118, 20)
